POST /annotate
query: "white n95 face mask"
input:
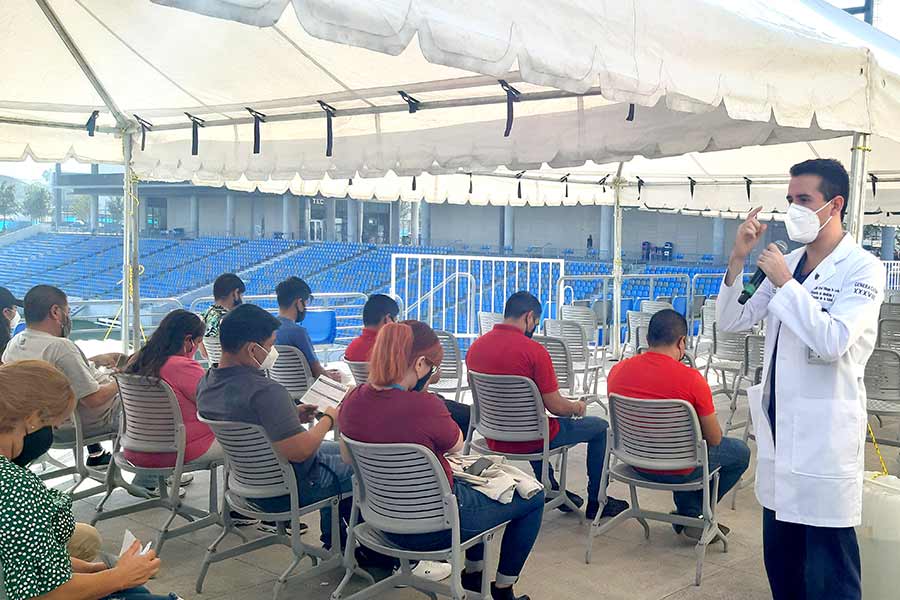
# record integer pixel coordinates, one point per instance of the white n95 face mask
(269, 361)
(802, 223)
(15, 321)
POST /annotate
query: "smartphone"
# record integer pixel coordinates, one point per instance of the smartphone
(478, 467)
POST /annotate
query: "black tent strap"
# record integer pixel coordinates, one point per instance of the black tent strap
(258, 118)
(413, 103)
(693, 185)
(512, 95)
(329, 132)
(874, 183)
(630, 116)
(519, 187)
(748, 183)
(196, 123)
(91, 124)
(414, 183)
(470, 183)
(145, 127)
(640, 183)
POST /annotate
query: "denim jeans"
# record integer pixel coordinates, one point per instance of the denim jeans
(138, 593)
(731, 455)
(805, 562)
(575, 431)
(477, 514)
(327, 476)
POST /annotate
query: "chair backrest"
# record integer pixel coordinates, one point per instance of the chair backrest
(727, 345)
(603, 311)
(292, 371)
(654, 306)
(572, 334)
(687, 359)
(401, 488)
(664, 299)
(754, 355)
(321, 325)
(213, 348)
(697, 303)
(451, 364)
(507, 408)
(889, 334)
(890, 310)
(638, 320)
(655, 434)
(153, 421)
(584, 316)
(253, 468)
(487, 320)
(882, 377)
(359, 370)
(707, 319)
(561, 359)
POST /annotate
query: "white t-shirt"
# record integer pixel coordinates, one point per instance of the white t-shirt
(63, 354)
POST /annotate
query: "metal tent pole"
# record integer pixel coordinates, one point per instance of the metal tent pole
(857, 201)
(617, 261)
(131, 285)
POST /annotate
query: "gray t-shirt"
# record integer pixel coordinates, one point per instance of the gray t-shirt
(246, 395)
(63, 354)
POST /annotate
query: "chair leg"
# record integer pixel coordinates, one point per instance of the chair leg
(636, 506)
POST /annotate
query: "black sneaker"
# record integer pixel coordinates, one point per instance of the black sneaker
(575, 498)
(272, 527)
(471, 581)
(506, 593)
(239, 520)
(100, 461)
(612, 508)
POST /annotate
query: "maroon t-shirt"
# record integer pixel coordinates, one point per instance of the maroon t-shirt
(399, 417)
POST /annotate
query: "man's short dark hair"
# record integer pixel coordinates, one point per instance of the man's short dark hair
(290, 290)
(377, 307)
(40, 299)
(666, 328)
(521, 303)
(246, 323)
(835, 180)
(225, 284)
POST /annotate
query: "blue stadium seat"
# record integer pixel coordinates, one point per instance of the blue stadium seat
(321, 326)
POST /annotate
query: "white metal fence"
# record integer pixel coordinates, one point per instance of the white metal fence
(447, 291)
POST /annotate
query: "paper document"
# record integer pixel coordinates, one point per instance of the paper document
(325, 393)
(128, 539)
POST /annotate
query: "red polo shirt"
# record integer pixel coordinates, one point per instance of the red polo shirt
(505, 350)
(360, 348)
(655, 376)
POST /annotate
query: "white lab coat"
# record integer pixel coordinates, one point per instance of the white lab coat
(827, 329)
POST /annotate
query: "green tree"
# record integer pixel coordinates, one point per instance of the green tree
(9, 205)
(37, 202)
(116, 209)
(81, 208)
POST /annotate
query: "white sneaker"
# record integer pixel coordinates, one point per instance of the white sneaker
(432, 570)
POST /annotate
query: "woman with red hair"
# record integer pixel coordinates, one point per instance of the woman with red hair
(394, 408)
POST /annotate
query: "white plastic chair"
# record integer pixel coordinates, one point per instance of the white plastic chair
(359, 370)
(889, 310)
(487, 320)
(654, 306)
(638, 323)
(452, 369)
(213, 349)
(509, 408)
(75, 441)
(889, 334)
(587, 318)
(584, 362)
(726, 357)
(254, 470)
(292, 371)
(882, 380)
(152, 423)
(402, 489)
(661, 435)
(754, 356)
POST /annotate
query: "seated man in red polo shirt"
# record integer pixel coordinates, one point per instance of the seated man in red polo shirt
(659, 374)
(378, 311)
(508, 350)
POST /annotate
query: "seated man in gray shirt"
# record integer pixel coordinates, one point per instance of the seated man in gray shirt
(238, 390)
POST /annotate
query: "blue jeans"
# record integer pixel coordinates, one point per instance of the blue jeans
(327, 476)
(477, 514)
(732, 456)
(575, 431)
(138, 593)
(805, 562)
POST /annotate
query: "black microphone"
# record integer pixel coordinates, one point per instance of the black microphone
(751, 286)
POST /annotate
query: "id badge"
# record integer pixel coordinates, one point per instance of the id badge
(813, 358)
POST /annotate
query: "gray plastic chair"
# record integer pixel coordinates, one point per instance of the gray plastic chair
(452, 371)
(707, 320)
(213, 349)
(292, 371)
(889, 334)
(889, 310)
(359, 370)
(587, 318)
(254, 470)
(487, 320)
(562, 362)
(661, 435)
(882, 380)
(402, 488)
(727, 358)
(152, 422)
(584, 362)
(654, 306)
(637, 321)
(754, 356)
(509, 408)
(76, 441)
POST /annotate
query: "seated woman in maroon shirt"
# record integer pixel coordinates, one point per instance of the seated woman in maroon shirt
(391, 408)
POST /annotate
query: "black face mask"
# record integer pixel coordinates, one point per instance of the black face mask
(34, 445)
(528, 333)
(238, 301)
(301, 314)
(422, 382)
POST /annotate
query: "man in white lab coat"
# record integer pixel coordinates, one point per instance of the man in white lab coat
(821, 306)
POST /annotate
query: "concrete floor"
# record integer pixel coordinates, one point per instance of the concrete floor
(625, 566)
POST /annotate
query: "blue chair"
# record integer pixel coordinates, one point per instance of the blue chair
(321, 326)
